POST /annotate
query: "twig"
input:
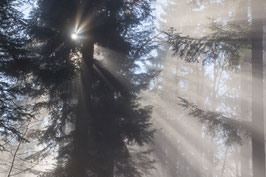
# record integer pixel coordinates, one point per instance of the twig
(17, 149)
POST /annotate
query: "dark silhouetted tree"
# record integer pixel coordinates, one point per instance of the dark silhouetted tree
(101, 104)
(13, 84)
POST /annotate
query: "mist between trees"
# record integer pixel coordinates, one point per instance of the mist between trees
(129, 88)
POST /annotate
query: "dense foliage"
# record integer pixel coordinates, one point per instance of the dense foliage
(13, 72)
(101, 106)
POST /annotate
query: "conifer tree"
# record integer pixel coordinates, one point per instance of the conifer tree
(230, 42)
(13, 85)
(102, 105)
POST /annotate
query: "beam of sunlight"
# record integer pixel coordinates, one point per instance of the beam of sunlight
(191, 153)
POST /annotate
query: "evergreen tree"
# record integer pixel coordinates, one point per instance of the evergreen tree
(231, 42)
(13, 84)
(102, 105)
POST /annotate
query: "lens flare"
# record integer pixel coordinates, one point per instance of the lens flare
(74, 36)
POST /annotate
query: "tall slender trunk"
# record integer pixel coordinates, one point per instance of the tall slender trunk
(199, 90)
(258, 145)
(244, 160)
(211, 152)
(84, 114)
(237, 161)
(245, 150)
(224, 163)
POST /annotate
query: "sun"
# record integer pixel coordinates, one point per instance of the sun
(74, 36)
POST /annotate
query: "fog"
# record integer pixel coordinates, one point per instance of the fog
(207, 97)
(184, 146)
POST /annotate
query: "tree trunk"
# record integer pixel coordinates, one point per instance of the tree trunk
(211, 151)
(108, 169)
(84, 112)
(244, 160)
(200, 99)
(258, 146)
(245, 151)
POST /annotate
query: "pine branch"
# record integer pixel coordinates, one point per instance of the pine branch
(218, 124)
